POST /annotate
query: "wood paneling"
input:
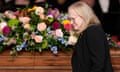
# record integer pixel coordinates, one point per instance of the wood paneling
(46, 61)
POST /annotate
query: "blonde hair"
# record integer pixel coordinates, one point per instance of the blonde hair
(83, 10)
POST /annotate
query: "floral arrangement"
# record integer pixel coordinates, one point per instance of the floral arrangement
(113, 41)
(35, 29)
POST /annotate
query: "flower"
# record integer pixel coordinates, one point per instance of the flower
(67, 26)
(58, 33)
(6, 30)
(10, 14)
(72, 40)
(24, 20)
(41, 26)
(37, 27)
(2, 25)
(27, 26)
(39, 10)
(66, 22)
(42, 16)
(32, 9)
(38, 39)
(55, 25)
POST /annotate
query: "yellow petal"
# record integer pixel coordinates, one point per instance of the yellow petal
(66, 22)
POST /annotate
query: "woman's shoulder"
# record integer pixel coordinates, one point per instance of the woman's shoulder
(95, 29)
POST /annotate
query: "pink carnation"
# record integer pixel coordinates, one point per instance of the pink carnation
(67, 26)
(56, 25)
(6, 30)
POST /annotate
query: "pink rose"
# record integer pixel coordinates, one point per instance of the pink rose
(58, 33)
(32, 36)
(41, 26)
(26, 26)
(11, 41)
(16, 13)
(24, 20)
(42, 16)
(38, 39)
(10, 14)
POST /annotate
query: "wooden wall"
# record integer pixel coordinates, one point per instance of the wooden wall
(45, 62)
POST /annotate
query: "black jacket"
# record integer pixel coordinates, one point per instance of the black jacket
(91, 53)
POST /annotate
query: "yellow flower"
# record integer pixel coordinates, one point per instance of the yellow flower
(66, 22)
(32, 9)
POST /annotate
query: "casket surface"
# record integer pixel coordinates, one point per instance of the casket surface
(45, 61)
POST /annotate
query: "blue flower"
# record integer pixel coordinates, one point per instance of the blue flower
(54, 48)
(2, 38)
(49, 31)
(36, 32)
(55, 52)
(18, 48)
(23, 44)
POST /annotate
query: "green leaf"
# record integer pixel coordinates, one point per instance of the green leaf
(52, 41)
(50, 20)
(13, 22)
(1, 48)
(44, 44)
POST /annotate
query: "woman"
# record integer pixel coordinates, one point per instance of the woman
(91, 52)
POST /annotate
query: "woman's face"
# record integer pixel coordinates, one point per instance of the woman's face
(76, 20)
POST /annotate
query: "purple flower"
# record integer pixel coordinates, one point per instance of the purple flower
(6, 30)
(55, 25)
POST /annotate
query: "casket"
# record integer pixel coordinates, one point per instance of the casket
(45, 61)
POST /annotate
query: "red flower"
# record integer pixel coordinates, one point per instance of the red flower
(118, 43)
(67, 26)
(115, 38)
(55, 25)
(6, 30)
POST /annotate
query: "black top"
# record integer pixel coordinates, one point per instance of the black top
(91, 53)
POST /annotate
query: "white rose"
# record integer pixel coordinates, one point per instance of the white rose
(58, 33)
(39, 11)
(2, 25)
(72, 40)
